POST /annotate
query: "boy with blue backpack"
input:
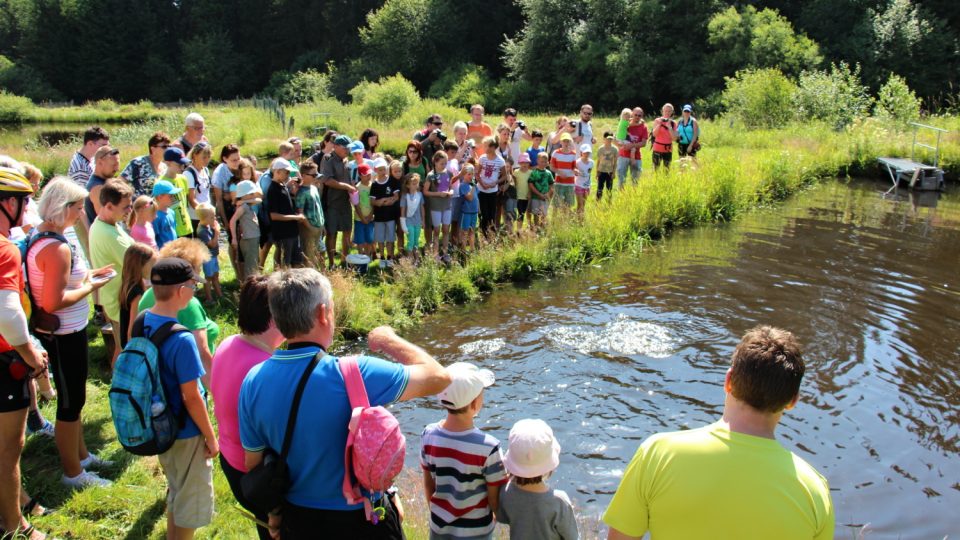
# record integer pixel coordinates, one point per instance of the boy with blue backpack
(187, 463)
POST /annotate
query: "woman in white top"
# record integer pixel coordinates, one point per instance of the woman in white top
(60, 283)
(198, 179)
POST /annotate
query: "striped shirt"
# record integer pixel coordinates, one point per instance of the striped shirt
(562, 164)
(72, 318)
(80, 169)
(463, 465)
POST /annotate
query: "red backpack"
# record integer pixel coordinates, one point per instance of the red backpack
(375, 447)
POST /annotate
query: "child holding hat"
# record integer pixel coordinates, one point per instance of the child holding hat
(527, 504)
(462, 469)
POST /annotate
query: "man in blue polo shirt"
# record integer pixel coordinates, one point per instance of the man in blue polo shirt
(301, 303)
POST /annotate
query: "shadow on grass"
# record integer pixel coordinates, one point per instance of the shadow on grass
(145, 524)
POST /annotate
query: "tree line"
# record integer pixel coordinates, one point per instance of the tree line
(540, 54)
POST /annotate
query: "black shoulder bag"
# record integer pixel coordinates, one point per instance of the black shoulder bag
(266, 485)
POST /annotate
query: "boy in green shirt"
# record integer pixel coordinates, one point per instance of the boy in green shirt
(606, 165)
(541, 190)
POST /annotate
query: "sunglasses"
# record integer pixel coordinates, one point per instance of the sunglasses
(192, 286)
(438, 123)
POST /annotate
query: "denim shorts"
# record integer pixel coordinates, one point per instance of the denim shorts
(211, 267)
(384, 231)
(468, 222)
(362, 232)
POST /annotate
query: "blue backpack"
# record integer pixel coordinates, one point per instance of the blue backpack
(146, 426)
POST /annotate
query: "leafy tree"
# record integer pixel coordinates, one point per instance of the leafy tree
(463, 85)
(387, 99)
(748, 38)
(305, 86)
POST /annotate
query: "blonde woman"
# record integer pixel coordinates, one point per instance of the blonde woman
(60, 283)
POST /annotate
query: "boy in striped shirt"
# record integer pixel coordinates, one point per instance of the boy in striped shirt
(462, 467)
(562, 162)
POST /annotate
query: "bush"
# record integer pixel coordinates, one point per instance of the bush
(462, 86)
(896, 101)
(308, 86)
(837, 96)
(760, 98)
(385, 100)
(14, 108)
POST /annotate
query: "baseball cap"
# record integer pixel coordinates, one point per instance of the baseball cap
(175, 154)
(468, 381)
(281, 164)
(566, 137)
(173, 271)
(245, 188)
(342, 140)
(105, 150)
(533, 451)
(609, 137)
(364, 169)
(355, 146)
(688, 108)
(586, 149)
(523, 158)
(380, 163)
(164, 187)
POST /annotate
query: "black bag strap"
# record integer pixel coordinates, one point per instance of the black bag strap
(33, 240)
(294, 408)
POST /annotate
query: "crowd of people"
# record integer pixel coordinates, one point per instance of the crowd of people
(136, 247)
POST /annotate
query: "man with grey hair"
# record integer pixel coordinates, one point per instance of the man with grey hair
(193, 132)
(301, 303)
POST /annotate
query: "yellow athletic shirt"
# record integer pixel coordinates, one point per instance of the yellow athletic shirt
(713, 483)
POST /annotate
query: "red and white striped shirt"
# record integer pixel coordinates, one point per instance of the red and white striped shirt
(563, 165)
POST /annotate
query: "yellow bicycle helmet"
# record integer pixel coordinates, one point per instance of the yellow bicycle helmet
(13, 182)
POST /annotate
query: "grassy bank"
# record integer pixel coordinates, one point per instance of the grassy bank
(738, 171)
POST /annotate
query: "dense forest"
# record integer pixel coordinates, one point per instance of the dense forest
(540, 54)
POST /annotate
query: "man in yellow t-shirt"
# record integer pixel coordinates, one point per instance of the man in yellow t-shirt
(730, 479)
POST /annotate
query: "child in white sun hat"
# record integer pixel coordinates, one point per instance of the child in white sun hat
(527, 504)
(462, 468)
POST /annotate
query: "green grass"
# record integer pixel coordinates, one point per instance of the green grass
(738, 171)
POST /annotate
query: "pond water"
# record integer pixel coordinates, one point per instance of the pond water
(640, 344)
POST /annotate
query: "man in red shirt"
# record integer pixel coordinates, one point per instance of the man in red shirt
(637, 136)
(19, 359)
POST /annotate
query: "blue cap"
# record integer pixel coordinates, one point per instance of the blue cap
(355, 146)
(175, 154)
(342, 140)
(688, 108)
(164, 187)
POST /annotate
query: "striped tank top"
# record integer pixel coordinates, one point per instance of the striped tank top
(73, 318)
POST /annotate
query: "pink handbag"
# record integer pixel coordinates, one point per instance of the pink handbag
(375, 447)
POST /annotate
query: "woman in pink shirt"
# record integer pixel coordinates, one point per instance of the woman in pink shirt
(235, 357)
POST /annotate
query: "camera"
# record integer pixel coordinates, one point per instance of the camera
(469, 143)
(522, 125)
(440, 135)
(573, 123)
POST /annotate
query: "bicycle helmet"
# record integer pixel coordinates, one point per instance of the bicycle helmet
(14, 183)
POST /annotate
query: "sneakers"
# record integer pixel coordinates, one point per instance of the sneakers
(47, 430)
(85, 479)
(93, 461)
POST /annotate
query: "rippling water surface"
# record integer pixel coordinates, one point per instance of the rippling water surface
(640, 344)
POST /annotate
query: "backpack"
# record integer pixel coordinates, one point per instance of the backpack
(146, 426)
(375, 447)
(39, 318)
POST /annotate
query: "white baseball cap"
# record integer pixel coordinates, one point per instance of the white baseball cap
(533, 451)
(282, 164)
(468, 381)
(586, 149)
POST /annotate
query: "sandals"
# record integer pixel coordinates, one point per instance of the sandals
(33, 508)
(30, 533)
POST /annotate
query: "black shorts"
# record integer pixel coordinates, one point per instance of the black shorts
(683, 152)
(304, 523)
(14, 394)
(234, 477)
(68, 360)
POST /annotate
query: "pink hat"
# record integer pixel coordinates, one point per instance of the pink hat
(533, 451)
(524, 158)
